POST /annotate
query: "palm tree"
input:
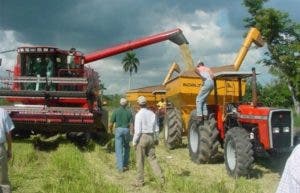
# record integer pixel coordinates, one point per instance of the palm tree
(130, 63)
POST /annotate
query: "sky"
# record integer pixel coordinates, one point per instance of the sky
(214, 30)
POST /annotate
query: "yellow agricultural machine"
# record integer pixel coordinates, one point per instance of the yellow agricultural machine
(180, 89)
(244, 129)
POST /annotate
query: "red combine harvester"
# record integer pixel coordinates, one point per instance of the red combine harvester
(53, 92)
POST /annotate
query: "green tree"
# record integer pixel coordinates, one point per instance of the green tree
(102, 88)
(274, 94)
(130, 63)
(282, 36)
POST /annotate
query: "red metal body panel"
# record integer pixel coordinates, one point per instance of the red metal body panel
(220, 120)
(49, 115)
(130, 45)
(257, 116)
(41, 100)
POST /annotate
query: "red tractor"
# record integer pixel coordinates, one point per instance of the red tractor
(53, 92)
(243, 129)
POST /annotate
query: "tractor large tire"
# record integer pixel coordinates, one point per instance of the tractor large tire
(203, 140)
(238, 152)
(173, 128)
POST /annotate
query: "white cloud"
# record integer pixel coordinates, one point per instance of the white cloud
(210, 39)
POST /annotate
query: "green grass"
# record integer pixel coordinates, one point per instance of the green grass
(62, 170)
(65, 169)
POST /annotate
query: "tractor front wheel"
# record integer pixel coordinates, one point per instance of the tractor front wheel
(173, 128)
(203, 140)
(238, 152)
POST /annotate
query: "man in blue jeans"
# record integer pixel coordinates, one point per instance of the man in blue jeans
(122, 119)
(207, 77)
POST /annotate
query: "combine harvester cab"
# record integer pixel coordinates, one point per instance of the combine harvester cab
(53, 92)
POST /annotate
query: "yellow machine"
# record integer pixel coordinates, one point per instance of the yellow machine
(180, 90)
(153, 93)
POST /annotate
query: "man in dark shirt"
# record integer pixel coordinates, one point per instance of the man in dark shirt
(122, 119)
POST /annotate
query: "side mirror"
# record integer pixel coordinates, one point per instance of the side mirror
(0, 61)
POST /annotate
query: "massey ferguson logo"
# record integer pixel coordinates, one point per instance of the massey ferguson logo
(191, 84)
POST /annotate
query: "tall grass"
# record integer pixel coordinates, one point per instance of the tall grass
(66, 169)
(60, 171)
(181, 183)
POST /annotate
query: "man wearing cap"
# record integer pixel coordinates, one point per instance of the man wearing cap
(144, 139)
(207, 77)
(6, 126)
(122, 118)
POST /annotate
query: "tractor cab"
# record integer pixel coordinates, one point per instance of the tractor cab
(233, 88)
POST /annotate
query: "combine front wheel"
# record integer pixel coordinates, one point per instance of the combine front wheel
(238, 153)
(173, 128)
(203, 140)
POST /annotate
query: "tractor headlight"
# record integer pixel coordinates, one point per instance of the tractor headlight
(275, 129)
(286, 129)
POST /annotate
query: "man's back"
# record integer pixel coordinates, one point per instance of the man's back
(122, 117)
(146, 121)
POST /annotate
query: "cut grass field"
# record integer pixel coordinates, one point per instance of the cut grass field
(65, 168)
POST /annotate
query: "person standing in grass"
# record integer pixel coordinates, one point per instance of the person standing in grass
(6, 126)
(290, 179)
(122, 119)
(144, 139)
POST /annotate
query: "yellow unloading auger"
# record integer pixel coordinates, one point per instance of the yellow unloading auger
(253, 36)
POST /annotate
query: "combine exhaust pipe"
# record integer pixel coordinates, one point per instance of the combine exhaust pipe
(254, 88)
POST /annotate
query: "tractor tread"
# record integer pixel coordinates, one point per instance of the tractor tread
(173, 123)
(243, 151)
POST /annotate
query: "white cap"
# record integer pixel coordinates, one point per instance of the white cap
(200, 61)
(142, 100)
(123, 101)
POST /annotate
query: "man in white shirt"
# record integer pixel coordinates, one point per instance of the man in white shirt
(290, 179)
(6, 126)
(144, 139)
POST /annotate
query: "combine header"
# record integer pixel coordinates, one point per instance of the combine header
(53, 92)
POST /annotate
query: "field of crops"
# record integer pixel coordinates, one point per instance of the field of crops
(59, 166)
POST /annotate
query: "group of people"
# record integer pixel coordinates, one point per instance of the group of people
(145, 137)
(145, 128)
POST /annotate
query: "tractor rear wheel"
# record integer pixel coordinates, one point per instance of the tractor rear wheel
(238, 152)
(203, 140)
(173, 128)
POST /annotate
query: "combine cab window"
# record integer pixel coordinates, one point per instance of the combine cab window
(38, 69)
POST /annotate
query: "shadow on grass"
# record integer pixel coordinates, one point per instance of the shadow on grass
(47, 144)
(87, 141)
(83, 141)
(184, 173)
(218, 158)
(268, 164)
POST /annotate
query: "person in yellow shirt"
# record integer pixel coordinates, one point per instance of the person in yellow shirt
(161, 104)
